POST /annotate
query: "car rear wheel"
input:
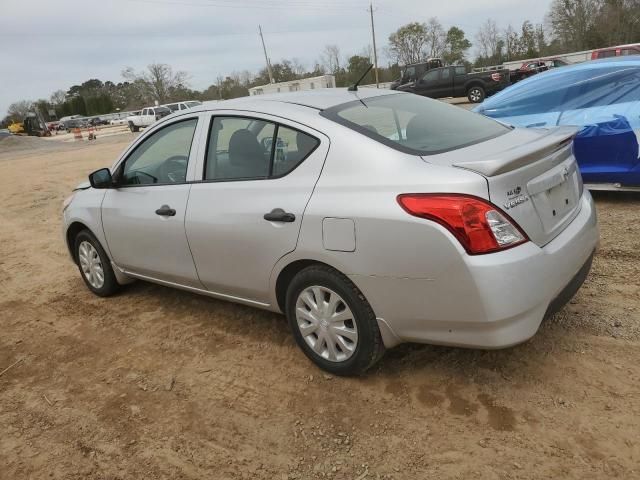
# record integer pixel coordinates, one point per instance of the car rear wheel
(332, 322)
(133, 127)
(94, 265)
(476, 94)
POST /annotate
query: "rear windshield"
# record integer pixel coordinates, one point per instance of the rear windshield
(415, 124)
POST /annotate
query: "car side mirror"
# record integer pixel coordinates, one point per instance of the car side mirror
(101, 178)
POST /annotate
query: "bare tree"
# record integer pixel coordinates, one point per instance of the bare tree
(297, 67)
(488, 38)
(367, 52)
(246, 77)
(330, 58)
(512, 43)
(157, 82)
(58, 97)
(435, 38)
(18, 111)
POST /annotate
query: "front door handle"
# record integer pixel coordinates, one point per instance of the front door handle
(279, 215)
(166, 211)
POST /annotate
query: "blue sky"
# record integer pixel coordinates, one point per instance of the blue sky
(51, 45)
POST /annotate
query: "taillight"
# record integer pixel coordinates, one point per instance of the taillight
(477, 224)
(496, 77)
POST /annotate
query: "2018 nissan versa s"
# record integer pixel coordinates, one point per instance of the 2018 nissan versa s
(369, 218)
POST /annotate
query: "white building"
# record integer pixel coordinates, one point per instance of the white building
(323, 81)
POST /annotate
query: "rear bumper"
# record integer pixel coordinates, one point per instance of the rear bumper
(487, 301)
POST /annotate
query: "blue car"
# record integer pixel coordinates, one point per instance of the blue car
(602, 97)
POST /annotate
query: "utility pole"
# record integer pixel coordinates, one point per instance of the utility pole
(375, 52)
(266, 57)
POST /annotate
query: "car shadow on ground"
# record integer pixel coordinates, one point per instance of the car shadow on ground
(255, 325)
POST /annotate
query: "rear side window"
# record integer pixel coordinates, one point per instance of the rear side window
(241, 148)
(431, 76)
(461, 70)
(415, 124)
(607, 54)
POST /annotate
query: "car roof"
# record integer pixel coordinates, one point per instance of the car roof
(320, 99)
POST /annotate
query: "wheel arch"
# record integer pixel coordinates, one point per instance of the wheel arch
(72, 232)
(286, 275)
(474, 83)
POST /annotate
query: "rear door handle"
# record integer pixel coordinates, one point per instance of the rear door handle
(166, 211)
(279, 215)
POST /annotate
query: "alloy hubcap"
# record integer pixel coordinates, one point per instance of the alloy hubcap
(475, 95)
(91, 265)
(326, 323)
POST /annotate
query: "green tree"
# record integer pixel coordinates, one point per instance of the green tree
(408, 43)
(356, 66)
(528, 43)
(456, 46)
(574, 23)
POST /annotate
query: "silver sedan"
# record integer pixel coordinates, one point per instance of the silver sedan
(369, 218)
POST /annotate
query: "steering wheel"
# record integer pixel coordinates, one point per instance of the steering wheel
(174, 169)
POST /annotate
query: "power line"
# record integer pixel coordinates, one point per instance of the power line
(266, 5)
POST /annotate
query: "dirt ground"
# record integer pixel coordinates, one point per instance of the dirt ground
(156, 383)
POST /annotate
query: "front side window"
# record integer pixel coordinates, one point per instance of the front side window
(162, 157)
(446, 73)
(173, 107)
(410, 73)
(430, 76)
(241, 148)
(414, 124)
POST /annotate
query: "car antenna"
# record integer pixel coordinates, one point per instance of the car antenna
(354, 87)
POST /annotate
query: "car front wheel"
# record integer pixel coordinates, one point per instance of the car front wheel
(332, 322)
(94, 265)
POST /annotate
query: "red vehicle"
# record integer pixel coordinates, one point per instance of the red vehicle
(619, 51)
(531, 67)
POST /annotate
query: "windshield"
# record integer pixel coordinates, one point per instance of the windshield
(414, 124)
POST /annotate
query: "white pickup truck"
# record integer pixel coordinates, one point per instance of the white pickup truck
(146, 117)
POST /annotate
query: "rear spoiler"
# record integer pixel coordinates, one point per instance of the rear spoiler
(554, 140)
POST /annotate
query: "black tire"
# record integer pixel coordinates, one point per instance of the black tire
(369, 347)
(133, 127)
(476, 94)
(110, 284)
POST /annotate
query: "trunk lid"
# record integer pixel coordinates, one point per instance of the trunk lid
(532, 175)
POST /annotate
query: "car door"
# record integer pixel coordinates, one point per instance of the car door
(427, 85)
(258, 175)
(445, 83)
(143, 218)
